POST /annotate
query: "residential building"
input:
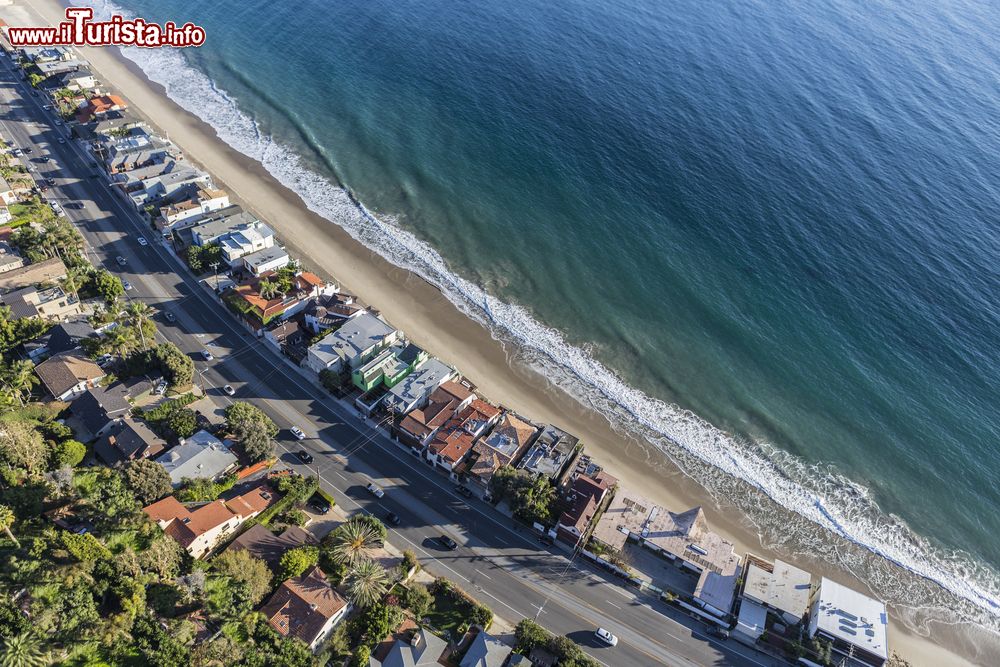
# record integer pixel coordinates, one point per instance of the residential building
(330, 311)
(183, 182)
(306, 608)
(99, 106)
(353, 344)
(585, 497)
(266, 260)
(107, 126)
(289, 337)
(46, 272)
(190, 210)
(51, 304)
(245, 240)
(135, 150)
(424, 649)
(779, 586)
(684, 539)
(7, 195)
(98, 409)
(415, 389)
(198, 530)
(200, 456)
(68, 375)
(856, 624)
(43, 54)
(130, 180)
(269, 547)
(485, 651)
(52, 67)
(551, 455)
(5, 217)
(62, 337)
(127, 440)
(389, 367)
(454, 441)
(220, 223)
(421, 424)
(259, 311)
(502, 447)
(9, 260)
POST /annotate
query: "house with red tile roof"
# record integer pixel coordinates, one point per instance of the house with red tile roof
(454, 441)
(504, 445)
(418, 426)
(306, 608)
(99, 106)
(260, 309)
(586, 495)
(200, 530)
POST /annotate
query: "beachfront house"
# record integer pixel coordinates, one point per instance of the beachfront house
(175, 184)
(383, 372)
(777, 588)
(551, 455)
(855, 624)
(685, 540)
(329, 311)
(585, 497)
(135, 150)
(508, 440)
(453, 442)
(270, 298)
(266, 260)
(416, 388)
(245, 240)
(191, 209)
(420, 424)
(352, 345)
(97, 106)
(220, 223)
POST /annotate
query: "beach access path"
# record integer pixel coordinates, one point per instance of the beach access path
(505, 568)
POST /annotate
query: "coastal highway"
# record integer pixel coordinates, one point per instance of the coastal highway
(496, 562)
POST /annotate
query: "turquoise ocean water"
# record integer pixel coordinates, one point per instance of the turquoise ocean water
(762, 234)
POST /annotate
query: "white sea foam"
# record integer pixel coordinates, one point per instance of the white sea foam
(723, 463)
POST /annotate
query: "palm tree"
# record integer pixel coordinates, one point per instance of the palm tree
(18, 378)
(121, 341)
(6, 521)
(366, 582)
(23, 650)
(268, 289)
(138, 314)
(352, 542)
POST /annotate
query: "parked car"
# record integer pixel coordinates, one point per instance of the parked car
(298, 433)
(392, 518)
(320, 504)
(606, 637)
(464, 491)
(169, 317)
(18, 152)
(447, 542)
(161, 388)
(304, 456)
(126, 285)
(45, 159)
(206, 355)
(142, 241)
(375, 490)
(228, 388)
(121, 260)
(716, 631)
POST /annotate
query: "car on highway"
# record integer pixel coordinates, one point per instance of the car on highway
(392, 518)
(169, 317)
(375, 490)
(298, 433)
(304, 456)
(18, 152)
(61, 140)
(27, 149)
(121, 260)
(464, 491)
(142, 241)
(606, 637)
(717, 632)
(127, 285)
(58, 122)
(206, 355)
(228, 389)
(45, 159)
(447, 542)
(57, 209)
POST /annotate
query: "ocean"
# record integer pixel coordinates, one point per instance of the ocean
(761, 234)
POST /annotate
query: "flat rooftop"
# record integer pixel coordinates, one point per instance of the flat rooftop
(778, 585)
(852, 617)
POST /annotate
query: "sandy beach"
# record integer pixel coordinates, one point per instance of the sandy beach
(431, 321)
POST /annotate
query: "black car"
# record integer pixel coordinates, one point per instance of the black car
(720, 633)
(448, 543)
(392, 518)
(320, 504)
(304, 456)
(464, 491)
(170, 317)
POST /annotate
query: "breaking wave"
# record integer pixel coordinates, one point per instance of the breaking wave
(950, 586)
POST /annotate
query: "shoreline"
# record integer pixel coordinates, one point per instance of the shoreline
(436, 324)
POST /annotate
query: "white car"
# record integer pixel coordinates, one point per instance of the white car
(161, 388)
(606, 637)
(298, 433)
(142, 241)
(375, 490)
(229, 390)
(61, 140)
(127, 285)
(206, 355)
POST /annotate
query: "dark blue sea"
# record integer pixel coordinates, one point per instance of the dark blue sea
(763, 234)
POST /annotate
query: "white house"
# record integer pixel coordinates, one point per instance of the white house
(201, 455)
(268, 259)
(204, 201)
(856, 624)
(353, 344)
(7, 193)
(244, 241)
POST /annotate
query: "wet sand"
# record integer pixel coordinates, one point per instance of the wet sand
(428, 318)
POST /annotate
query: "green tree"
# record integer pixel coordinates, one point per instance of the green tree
(163, 558)
(85, 548)
(366, 582)
(68, 453)
(17, 330)
(254, 429)
(17, 378)
(7, 522)
(243, 568)
(158, 647)
(417, 599)
(108, 286)
(75, 608)
(529, 635)
(183, 422)
(21, 446)
(147, 479)
(111, 497)
(12, 621)
(268, 289)
(23, 650)
(361, 656)
(193, 256)
(176, 366)
(296, 561)
(351, 542)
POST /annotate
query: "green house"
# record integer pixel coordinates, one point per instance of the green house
(388, 367)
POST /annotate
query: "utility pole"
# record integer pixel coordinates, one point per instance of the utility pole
(215, 272)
